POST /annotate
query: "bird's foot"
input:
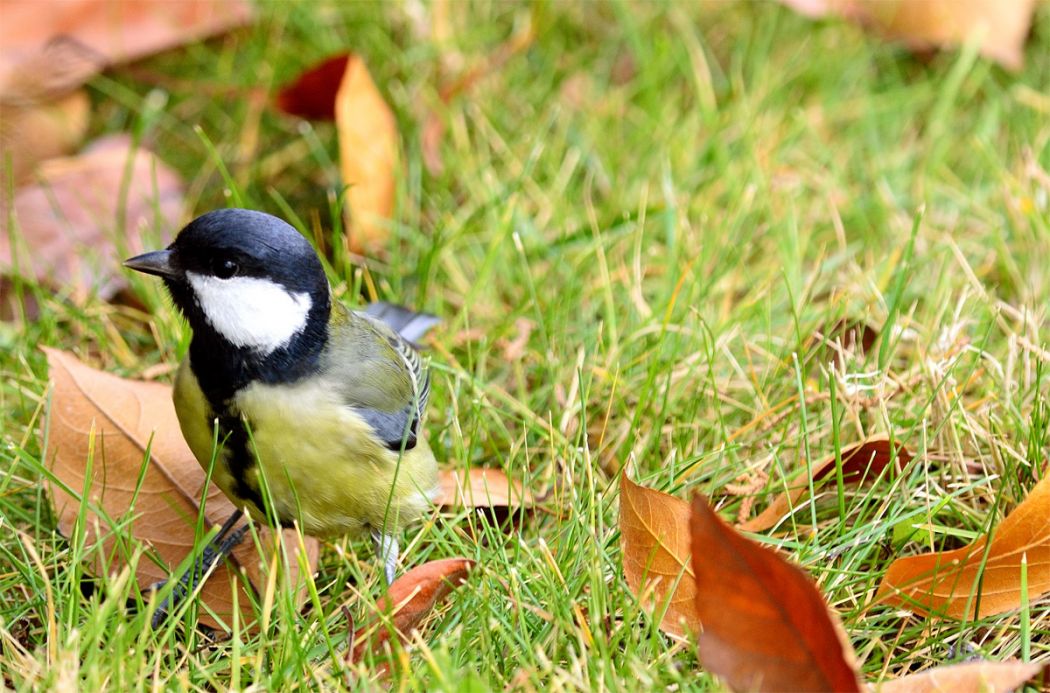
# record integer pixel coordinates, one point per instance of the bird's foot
(217, 549)
(387, 551)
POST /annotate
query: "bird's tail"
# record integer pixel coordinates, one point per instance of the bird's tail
(411, 325)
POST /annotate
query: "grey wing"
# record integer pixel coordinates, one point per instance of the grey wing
(397, 428)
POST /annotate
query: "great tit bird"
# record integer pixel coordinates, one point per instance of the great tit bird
(321, 404)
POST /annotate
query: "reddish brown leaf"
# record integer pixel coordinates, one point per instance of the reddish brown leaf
(312, 95)
(654, 536)
(978, 580)
(368, 144)
(410, 599)
(860, 462)
(71, 224)
(121, 30)
(126, 418)
(482, 487)
(971, 677)
(765, 625)
(1001, 28)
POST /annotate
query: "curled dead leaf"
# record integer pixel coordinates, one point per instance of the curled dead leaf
(766, 627)
(863, 461)
(654, 538)
(979, 580)
(119, 420)
(408, 602)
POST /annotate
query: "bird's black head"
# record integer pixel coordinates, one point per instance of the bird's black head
(252, 289)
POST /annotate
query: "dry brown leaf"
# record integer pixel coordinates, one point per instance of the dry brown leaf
(482, 487)
(654, 536)
(766, 627)
(971, 677)
(121, 30)
(368, 144)
(69, 227)
(1002, 27)
(860, 462)
(953, 584)
(410, 599)
(127, 418)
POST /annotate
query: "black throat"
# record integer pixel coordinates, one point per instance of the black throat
(223, 368)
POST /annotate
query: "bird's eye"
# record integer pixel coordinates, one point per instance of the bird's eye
(224, 269)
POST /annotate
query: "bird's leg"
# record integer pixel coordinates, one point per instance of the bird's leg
(387, 551)
(217, 549)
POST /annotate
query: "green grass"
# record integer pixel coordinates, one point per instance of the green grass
(677, 198)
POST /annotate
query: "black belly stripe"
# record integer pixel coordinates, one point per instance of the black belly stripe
(239, 459)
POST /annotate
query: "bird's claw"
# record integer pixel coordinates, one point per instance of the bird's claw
(216, 550)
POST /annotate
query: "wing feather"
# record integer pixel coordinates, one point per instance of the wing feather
(381, 376)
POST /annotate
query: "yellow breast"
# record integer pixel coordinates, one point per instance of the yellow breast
(316, 457)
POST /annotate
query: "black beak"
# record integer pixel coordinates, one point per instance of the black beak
(159, 262)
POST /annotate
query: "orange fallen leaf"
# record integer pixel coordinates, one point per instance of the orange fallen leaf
(654, 536)
(87, 212)
(482, 487)
(860, 462)
(121, 30)
(368, 146)
(971, 677)
(1001, 28)
(963, 583)
(410, 599)
(126, 418)
(766, 627)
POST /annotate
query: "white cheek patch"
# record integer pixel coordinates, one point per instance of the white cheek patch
(251, 312)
